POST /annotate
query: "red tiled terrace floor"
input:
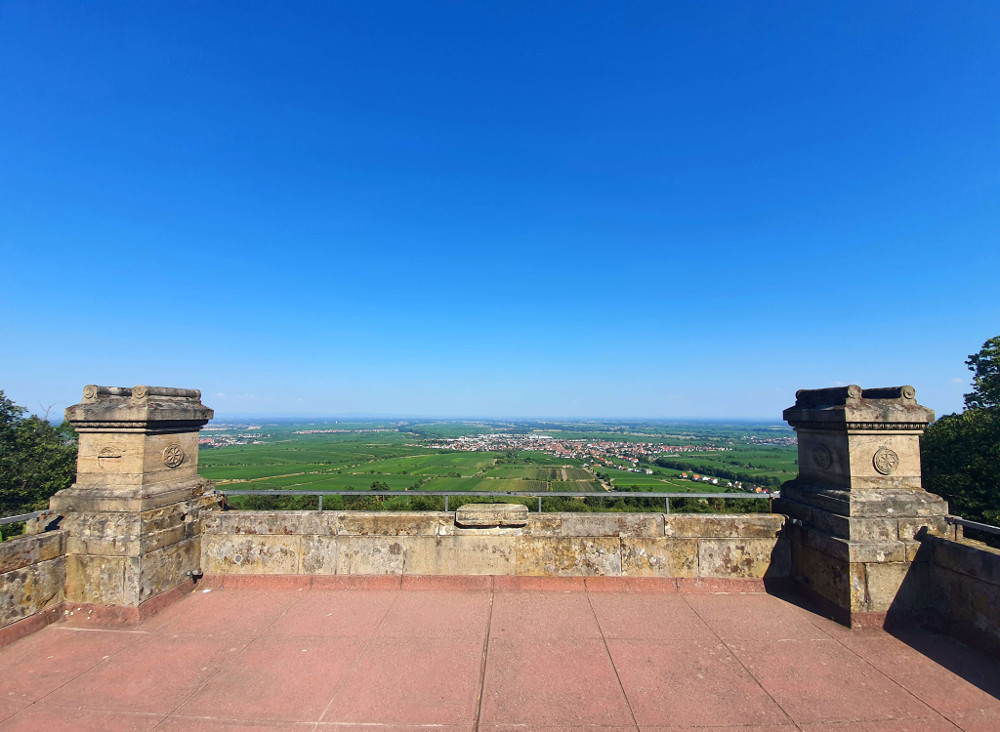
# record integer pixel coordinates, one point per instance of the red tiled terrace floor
(384, 654)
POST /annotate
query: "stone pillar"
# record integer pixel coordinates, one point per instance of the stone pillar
(857, 504)
(133, 516)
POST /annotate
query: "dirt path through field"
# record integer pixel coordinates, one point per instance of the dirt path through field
(600, 482)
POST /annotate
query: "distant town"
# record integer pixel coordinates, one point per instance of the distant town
(604, 452)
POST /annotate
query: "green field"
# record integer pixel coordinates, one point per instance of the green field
(409, 459)
(584, 486)
(484, 484)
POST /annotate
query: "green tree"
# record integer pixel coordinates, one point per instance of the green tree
(961, 462)
(36, 459)
(985, 367)
(960, 453)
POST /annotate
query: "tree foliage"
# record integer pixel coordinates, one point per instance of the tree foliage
(36, 459)
(985, 367)
(961, 452)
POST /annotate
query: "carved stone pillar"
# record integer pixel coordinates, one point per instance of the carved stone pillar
(133, 515)
(857, 504)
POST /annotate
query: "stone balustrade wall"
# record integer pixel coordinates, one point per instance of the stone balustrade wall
(963, 590)
(749, 547)
(32, 578)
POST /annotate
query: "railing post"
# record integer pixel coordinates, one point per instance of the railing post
(539, 504)
(320, 503)
(666, 503)
(446, 503)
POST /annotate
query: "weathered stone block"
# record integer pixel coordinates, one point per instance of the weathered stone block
(103, 533)
(857, 582)
(373, 554)
(544, 524)
(911, 528)
(569, 557)
(165, 568)
(894, 503)
(874, 529)
(319, 554)
(748, 526)
(883, 583)
(662, 557)
(966, 607)
(742, 558)
(395, 523)
(491, 514)
(968, 558)
(30, 589)
(612, 524)
(101, 579)
(594, 524)
(824, 575)
(23, 551)
(462, 555)
(255, 523)
(261, 554)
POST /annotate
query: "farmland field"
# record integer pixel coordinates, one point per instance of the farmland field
(413, 458)
(484, 484)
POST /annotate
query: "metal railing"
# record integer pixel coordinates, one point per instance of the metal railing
(23, 517)
(965, 523)
(507, 494)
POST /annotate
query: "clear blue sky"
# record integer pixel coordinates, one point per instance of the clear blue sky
(662, 209)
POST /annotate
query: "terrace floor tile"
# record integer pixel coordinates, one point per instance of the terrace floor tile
(10, 706)
(180, 723)
(52, 718)
(648, 616)
(979, 720)
(277, 678)
(549, 615)
(335, 613)
(754, 617)
(411, 681)
(824, 681)
(47, 661)
(738, 728)
(152, 676)
(559, 728)
(419, 614)
(552, 683)
(691, 683)
(917, 724)
(957, 681)
(227, 612)
(325, 727)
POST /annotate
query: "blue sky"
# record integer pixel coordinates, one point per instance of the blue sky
(671, 210)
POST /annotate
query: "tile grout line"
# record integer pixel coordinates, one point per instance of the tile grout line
(364, 648)
(742, 665)
(103, 660)
(604, 640)
(877, 670)
(253, 639)
(482, 665)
